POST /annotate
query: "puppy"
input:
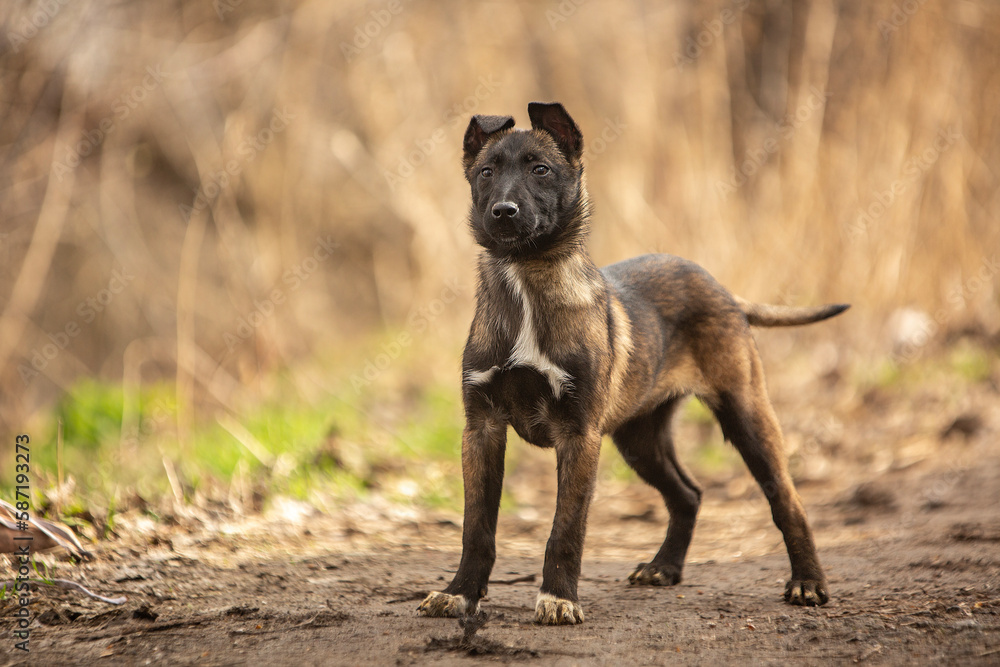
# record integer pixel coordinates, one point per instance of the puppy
(565, 352)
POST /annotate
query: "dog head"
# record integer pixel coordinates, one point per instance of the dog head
(528, 196)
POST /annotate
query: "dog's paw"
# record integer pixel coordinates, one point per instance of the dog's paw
(442, 604)
(652, 574)
(550, 610)
(806, 592)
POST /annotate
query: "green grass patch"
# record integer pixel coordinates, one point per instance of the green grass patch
(965, 361)
(405, 445)
(398, 436)
(613, 466)
(697, 412)
(715, 456)
(971, 363)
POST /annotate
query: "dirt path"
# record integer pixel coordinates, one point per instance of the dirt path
(912, 549)
(911, 582)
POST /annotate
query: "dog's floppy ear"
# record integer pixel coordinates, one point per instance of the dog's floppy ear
(479, 131)
(552, 118)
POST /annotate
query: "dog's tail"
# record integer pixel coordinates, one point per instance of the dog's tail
(765, 315)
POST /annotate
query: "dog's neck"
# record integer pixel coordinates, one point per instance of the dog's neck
(569, 280)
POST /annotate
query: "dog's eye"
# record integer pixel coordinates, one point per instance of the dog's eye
(486, 172)
(540, 170)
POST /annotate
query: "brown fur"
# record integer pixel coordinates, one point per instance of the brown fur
(565, 352)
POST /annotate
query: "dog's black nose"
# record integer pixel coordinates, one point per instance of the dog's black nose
(504, 209)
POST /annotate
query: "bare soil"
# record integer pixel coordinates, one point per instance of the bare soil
(909, 532)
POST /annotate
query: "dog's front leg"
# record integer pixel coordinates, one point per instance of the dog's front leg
(576, 462)
(484, 442)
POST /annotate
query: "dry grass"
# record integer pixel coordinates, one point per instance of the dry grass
(828, 104)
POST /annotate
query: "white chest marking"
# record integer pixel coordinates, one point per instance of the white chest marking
(481, 377)
(526, 351)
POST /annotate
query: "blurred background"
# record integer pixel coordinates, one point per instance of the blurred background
(233, 248)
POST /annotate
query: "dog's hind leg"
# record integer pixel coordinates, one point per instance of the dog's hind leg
(646, 444)
(748, 421)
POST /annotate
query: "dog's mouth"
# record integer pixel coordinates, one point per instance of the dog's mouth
(514, 239)
(508, 238)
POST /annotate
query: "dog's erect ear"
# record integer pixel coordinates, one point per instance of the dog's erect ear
(479, 131)
(552, 118)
